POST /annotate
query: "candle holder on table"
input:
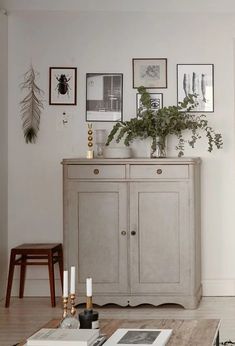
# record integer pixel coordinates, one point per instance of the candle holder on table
(69, 321)
(89, 319)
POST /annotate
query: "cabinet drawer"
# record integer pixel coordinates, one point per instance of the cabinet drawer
(96, 171)
(159, 171)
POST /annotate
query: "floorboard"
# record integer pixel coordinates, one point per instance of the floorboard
(26, 315)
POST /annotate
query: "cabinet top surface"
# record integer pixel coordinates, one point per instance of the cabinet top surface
(169, 160)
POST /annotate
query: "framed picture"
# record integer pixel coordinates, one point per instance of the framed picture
(150, 73)
(63, 86)
(196, 79)
(104, 92)
(156, 101)
(140, 337)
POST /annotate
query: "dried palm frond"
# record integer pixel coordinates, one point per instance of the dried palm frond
(31, 106)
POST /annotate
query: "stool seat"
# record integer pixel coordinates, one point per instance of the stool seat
(35, 254)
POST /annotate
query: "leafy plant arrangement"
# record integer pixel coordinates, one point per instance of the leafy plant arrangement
(172, 120)
(31, 106)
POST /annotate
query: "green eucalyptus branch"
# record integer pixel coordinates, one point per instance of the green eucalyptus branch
(171, 120)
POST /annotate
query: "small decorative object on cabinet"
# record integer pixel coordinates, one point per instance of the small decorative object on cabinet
(90, 151)
(117, 229)
(171, 120)
(100, 139)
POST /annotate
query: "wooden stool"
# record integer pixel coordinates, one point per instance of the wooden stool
(52, 253)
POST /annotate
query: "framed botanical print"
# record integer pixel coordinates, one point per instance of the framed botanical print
(156, 101)
(150, 73)
(104, 93)
(196, 79)
(63, 86)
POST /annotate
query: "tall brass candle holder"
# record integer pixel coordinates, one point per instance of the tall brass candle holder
(90, 151)
(73, 309)
(65, 307)
(69, 321)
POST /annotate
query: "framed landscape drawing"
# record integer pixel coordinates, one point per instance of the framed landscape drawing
(196, 79)
(104, 96)
(150, 73)
(156, 101)
(63, 86)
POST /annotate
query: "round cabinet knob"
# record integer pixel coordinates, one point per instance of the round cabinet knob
(133, 232)
(123, 232)
(96, 171)
(159, 171)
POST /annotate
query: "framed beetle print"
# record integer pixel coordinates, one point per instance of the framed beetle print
(196, 79)
(156, 102)
(63, 86)
(104, 96)
(150, 73)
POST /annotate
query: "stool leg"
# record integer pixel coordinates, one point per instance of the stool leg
(22, 275)
(10, 278)
(61, 264)
(51, 278)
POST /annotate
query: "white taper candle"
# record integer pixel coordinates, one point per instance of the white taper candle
(72, 280)
(65, 284)
(89, 287)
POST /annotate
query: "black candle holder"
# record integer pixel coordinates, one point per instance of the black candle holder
(89, 319)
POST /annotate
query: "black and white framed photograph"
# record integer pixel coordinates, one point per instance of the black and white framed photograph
(156, 102)
(150, 73)
(63, 86)
(104, 94)
(141, 337)
(196, 79)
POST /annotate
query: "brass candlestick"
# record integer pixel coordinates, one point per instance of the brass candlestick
(89, 304)
(73, 309)
(90, 152)
(65, 307)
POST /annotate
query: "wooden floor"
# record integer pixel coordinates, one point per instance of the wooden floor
(26, 315)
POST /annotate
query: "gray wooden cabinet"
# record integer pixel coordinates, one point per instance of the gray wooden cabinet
(133, 225)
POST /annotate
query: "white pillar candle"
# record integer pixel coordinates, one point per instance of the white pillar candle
(89, 287)
(65, 284)
(72, 280)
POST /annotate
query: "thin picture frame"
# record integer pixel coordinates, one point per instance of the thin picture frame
(104, 97)
(196, 79)
(149, 72)
(156, 101)
(63, 86)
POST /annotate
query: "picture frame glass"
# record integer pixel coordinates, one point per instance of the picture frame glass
(104, 97)
(63, 86)
(196, 79)
(156, 102)
(150, 73)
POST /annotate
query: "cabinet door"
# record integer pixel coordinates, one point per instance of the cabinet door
(96, 234)
(159, 247)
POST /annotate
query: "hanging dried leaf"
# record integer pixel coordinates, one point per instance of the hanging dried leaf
(31, 106)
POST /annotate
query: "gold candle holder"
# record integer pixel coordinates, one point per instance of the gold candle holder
(73, 309)
(90, 152)
(89, 304)
(65, 307)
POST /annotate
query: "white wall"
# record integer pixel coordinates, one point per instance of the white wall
(106, 42)
(3, 152)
